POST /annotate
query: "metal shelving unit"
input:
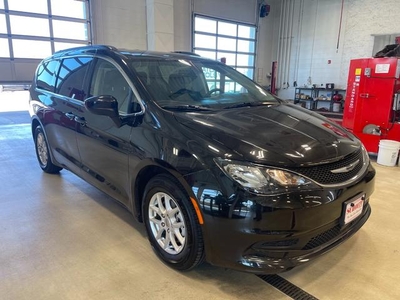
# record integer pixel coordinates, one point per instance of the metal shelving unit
(313, 96)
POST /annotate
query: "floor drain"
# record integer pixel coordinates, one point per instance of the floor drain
(287, 287)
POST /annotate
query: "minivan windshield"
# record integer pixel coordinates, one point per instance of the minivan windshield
(198, 84)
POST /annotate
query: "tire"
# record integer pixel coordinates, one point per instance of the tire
(42, 152)
(172, 225)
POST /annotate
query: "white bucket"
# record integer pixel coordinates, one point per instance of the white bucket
(388, 152)
(336, 107)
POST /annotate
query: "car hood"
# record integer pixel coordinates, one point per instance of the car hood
(279, 135)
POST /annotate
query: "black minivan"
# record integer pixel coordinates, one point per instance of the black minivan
(217, 168)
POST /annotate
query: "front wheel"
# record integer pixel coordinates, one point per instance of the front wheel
(42, 152)
(172, 224)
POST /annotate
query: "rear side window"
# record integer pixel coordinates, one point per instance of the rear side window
(46, 75)
(72, 76)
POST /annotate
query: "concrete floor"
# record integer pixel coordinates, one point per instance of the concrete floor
(60, 238)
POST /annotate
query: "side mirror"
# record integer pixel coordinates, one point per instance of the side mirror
(104, 105)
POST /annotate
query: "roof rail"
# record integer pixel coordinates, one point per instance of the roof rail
(84, 49)
(108, 47)
(186, 52)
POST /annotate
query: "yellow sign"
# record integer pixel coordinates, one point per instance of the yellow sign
(358, 71)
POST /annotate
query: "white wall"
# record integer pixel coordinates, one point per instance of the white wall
(364, 18)
(314, 40)
(315, 56)
(266, 45)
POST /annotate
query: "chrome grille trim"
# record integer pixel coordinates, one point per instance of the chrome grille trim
(359, 171)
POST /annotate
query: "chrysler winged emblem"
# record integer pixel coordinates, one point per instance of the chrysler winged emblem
(347, 168)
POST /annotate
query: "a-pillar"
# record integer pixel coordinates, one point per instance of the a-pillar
(160, 25)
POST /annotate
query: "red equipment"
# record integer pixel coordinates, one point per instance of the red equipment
(273, 77)
(372, 106)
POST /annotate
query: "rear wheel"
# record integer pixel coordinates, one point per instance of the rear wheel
(172, 224)
(42, 152)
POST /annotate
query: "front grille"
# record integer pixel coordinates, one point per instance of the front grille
(323, 175)
(322, 238)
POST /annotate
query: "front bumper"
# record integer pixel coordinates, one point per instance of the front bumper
(275, 261)
(268, 235)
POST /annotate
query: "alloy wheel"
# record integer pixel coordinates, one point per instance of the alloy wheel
(42, 149)
(167, 223)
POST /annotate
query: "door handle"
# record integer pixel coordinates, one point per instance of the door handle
(80, 120)
(70, 115)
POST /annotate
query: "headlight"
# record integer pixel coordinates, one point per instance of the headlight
(265, 180)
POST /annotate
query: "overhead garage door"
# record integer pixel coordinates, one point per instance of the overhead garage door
(34, 29)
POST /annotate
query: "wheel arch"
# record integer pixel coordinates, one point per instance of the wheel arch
(34, 124)
(148, 170)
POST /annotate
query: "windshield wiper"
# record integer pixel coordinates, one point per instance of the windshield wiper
(186, 107)
(246, 104)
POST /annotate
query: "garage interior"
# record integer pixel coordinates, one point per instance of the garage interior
(61, 238)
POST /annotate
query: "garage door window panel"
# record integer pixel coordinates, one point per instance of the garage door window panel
(246, 46)
(201, 39)
(37, 26)
(227, 29)
(70, 30)
(206, 25)
(3, 25)
(31, 49)
(230, 58)
(236, 42)
(207, 54)
(246, 32)
(68, 8)
(4, 49)
(72, 75)
(36, 6)
(226, 44)
(245, 60)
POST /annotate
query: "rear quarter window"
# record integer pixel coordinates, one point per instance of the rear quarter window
(46, 75)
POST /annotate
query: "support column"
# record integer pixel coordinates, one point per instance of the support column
(160, 25)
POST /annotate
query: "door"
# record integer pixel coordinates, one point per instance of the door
(104, 147)
(64, 105)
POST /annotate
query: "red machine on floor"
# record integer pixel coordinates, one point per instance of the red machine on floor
(372, 106)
